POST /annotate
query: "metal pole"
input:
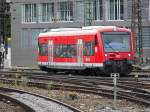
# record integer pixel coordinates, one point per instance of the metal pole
(114, 76)
(136, 26)
(115, 93)
(140, 35)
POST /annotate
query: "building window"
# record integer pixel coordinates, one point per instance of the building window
(89, 48)
(115, 10)
(146, 35)
(29, 13)
(65, 51)
(149, 10)
(65, 11)
(46, 12)
(97, 10)
(29, 38)
(25, 39)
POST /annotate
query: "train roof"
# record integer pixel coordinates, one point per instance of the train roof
(98, 27)
(89, 30)
(65, 29)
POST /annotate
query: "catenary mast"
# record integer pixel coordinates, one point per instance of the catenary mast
(136, 26)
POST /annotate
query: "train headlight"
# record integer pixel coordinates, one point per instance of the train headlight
(106, 55)
(129, 55)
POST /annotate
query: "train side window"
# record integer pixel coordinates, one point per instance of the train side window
(43, 50)
(89, 48)
(65, 51)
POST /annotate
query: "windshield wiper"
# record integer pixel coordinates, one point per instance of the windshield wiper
(110, 47)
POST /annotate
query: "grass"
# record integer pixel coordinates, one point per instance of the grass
(1, 83)
(49, 86)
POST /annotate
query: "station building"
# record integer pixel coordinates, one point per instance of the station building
(30, 17)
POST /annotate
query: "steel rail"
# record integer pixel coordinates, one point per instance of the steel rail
(145, 73)
(133, 85)
(43, 74)
(5, 90)
(140, 83)
(94, 90)
(13, 100)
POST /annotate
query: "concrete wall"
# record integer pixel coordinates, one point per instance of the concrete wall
(27, 56)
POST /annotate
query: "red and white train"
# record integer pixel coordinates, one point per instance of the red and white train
(94, 49)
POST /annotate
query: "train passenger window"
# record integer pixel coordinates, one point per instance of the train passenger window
(89, 48)
(43, 50)
(65, 51)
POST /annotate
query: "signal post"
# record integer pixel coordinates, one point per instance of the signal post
(115, 76)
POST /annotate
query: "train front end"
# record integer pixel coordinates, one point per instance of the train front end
(118, 51)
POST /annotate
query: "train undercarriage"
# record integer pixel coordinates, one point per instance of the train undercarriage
(113, 66)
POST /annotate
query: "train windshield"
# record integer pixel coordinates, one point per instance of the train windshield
(116, 41)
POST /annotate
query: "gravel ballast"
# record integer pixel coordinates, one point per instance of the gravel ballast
(88, 102)
(7, 106)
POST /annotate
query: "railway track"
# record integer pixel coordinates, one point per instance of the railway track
(128, 88)
(133, 81)
(35, 102)
(12, 101)
(134, 73)
(132, 94)
(144, 81)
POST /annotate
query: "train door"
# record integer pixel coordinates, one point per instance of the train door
(80, 51)
(50, 51)
(89, 55)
